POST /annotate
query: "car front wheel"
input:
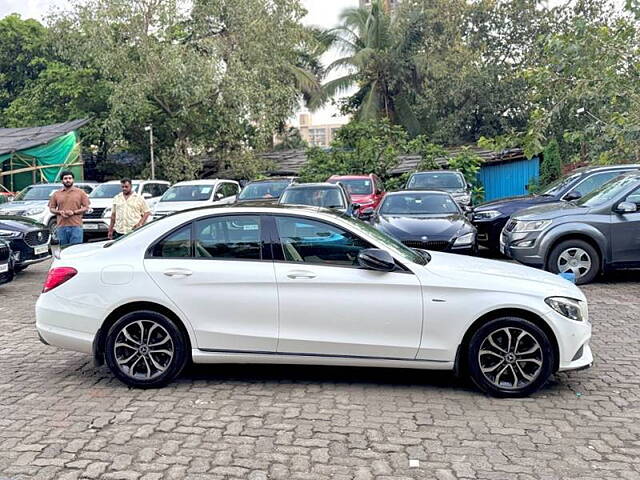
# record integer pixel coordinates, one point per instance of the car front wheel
(510, 357)
(577, 257)
(145, 349)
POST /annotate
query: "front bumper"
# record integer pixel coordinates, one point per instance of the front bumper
(489, 231)
(95, 226)
(573, 341)
(25, 255)
(522, 247)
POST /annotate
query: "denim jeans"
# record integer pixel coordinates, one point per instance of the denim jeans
(69, 235)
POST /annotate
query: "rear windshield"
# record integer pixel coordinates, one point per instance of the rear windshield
(259, 190)
(315, 197)
(437, 180)
(188, 193)
(356, 186)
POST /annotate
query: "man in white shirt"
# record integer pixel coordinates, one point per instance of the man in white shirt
(129, 211)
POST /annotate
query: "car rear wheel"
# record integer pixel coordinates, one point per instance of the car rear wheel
(510, 357)
(577, 257)
(145, 349)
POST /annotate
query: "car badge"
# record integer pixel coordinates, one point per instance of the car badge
(39, 235)
(424, 238)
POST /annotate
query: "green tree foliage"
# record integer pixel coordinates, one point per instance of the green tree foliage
(291, 139)
(378, 62)
(468, 163)
(358, 148)
(551, 168)
(216, 78)
(23, 53)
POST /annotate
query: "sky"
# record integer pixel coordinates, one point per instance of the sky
(322, 13)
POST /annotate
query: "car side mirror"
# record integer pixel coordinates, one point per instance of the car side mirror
(575, 195)
(219, 195)
(147, 196)
(366, 213)
(626, 207)
(355, 206)
(376, 259)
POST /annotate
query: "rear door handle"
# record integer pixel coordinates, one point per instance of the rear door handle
(178, 272)
(301, 274)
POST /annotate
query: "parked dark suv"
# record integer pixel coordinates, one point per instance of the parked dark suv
(600, 231)
(491, 217)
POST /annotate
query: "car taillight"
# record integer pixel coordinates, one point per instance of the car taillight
(57, 276)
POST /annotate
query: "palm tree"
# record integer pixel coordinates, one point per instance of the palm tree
(378, 61)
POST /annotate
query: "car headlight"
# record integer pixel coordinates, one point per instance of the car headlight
(35, 211)
(567, 307)
(465, 239)
(9, 234)
(106, 213)
(531, 226)
(486, 215)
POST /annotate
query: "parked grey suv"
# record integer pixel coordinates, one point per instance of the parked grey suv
(598, 232)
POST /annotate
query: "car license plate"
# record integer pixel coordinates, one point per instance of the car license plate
(41, 249)
(90, 226)
(4, 268)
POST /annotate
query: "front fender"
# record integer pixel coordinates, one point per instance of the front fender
(572, 229)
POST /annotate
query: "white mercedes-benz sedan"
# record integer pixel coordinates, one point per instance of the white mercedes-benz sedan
(296, 285)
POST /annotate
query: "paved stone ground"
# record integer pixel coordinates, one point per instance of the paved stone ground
(62, 418)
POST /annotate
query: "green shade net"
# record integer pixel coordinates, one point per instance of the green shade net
(60, 153)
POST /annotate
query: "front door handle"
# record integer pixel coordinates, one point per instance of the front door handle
(178, 272)
(301, 274)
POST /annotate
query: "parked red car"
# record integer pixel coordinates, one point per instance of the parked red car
(365, 190)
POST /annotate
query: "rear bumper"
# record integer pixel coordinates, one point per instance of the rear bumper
(66, 324)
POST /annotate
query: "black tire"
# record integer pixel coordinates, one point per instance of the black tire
(139, 376)
(52, 226)
(569, 245)
(19, 268)
(511, 383)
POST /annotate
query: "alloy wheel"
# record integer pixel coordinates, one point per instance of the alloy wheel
(143, 349)
(574, 260)
(510, 358)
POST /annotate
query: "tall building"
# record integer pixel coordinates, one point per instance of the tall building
(317, 135)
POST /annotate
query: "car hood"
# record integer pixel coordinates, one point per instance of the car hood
(432, 226)
(550, 211)
(23, 205)
(100, 202)
(495, 275)
(365, 198)
(512, 204)
(19, 224)
(179, 206)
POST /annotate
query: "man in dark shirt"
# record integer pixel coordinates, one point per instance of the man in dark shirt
(69, 204)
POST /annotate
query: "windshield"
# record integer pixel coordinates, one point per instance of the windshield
(315, 197)
(258, 190)
(109, 190)
(437, 180)
(557, 187)
(607, 192)
(356, 186)
(418, 204)
(37, 193)
(389, 242)
(188, 193)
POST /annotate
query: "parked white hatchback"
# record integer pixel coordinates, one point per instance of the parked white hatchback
(269, 284)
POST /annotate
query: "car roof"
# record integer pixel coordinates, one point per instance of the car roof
(111, 182)
(595, 168)
(351, 177)
(211, 181)
(272, 179)
(421, 192)
(299, 186)
(437, 171)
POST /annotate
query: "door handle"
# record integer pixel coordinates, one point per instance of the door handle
(301, 274)
(178, 272)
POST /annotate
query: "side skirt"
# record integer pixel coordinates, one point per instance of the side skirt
(208, 356)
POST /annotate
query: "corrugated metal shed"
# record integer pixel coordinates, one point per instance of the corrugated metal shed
(506, 179)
